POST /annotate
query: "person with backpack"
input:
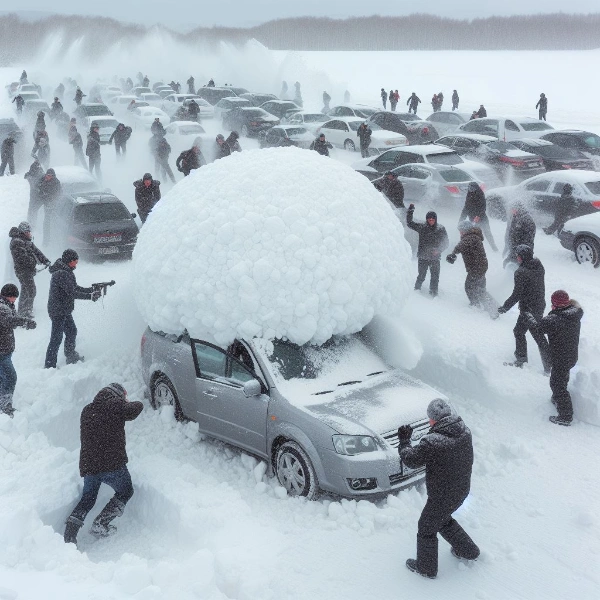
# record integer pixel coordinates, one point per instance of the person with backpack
(92, 150)
(190, 160)
(364, 134)
(120, 135)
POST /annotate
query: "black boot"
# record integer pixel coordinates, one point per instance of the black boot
(411, 565)
(72, 529)
(101, 525)
(6, 406)
(74, 358)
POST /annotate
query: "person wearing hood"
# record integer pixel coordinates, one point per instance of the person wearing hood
(222, 148)
(233, 141)
(481, 113)
(562, 325)
(364, 133)
(26, 257)
(433, 240)
(384, 98)
(7, 154)
(190, 83)
(542, 106)
(392, 188)
(529, 291)
(161, 150)
(23, 78)
(193, 110)
(55, 108)
(393, 102)
(20, 102)
(475, 210)
(413, 103)
(455, 100)
(190, 160)
(61, 303)
(520, 231)
(321, 145)
(9, 320)
(211, 83)
(76, 141)
(566, 208)
(40, 123)
(79, 95)
(147, 194)
(120, 136)
(41, 151)
(326, 101)
(157, 128)
(92, 150)
(49, 191)
(103, 459)
(446, 452)
(34, 177)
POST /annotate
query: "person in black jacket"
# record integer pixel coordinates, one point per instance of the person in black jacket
(55, 109)
(79, 95)
(103, 459)
(393, 101)
(76, 141)
(326, 101)
(413, 103)
(529, 292)
(162, 151)
(61, 303)
(455, 100)
(447, 453)
(189, 160)
(40, 124)
(49, 191)
(321, 145)
(481, 113)
(384, 97)
(9, 320)
(562, 325)
(157, 128)
(120, 136)
(26, 257)
(542, 105)
(34, 177)
(520, 231)
(364, 134)
(393, 189)
(233, 141)
(147, 194)
(475, 210)
(222, 149)
(193, 109)
(566, 209)
(433, 240)
(18, 100)
(92, 150)
(190, 83)
(7, 155)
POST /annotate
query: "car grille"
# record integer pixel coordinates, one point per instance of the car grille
(420, 428)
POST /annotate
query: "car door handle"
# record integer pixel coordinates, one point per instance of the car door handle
(209, 394)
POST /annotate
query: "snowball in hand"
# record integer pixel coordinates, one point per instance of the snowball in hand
(277, 243)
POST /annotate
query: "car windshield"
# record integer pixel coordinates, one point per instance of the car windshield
(552, 151)
(354, 125)
(455, 176)
(108, 123)
(444, 158)
(316, 118)
(96, 110)
(295, 131)
(191, 129)
(501, 146)
(593, 141)
(364, 112)
(98, 213)
(594, 187)
(528, 126)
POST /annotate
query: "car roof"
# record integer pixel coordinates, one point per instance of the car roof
(280, 102)
(436, 167)
(578, 132)
(473, 136)
(99, 118)
(347, 119)
(71, 173)
(186, 123)
(575, 175)
(83, 105)
(425, 149)
(95, 198)
(534, 142)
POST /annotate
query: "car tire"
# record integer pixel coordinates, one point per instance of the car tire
(350, 145)
(495, 207)
(163, 393)
(587, 250)
(295, 471)
(244, 130)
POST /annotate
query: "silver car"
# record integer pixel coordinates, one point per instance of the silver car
(446, 122)
(323, 417)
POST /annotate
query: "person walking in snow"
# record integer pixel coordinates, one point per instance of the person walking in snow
(475, 210)
(298, 95)
(76, 141)
(120, 135)
(157, 128)
(413, 103)
(446, 452)
(56, 108)
(92, 150)
(455, 100)
(49, 191)
(147, 194)
(392, 188)
(326, 101)
(79, 95)
(61, 303)
(321, 145)
(190, 160)
(562, 325)
(393, 102)
(162, 153)
(18, 100)
(529, 292)
(433, 240)
(567, 207)
(364, 133)
(7, 155)
(542, 106)
(222, 149)
(9, 321)
(34, 177)
(190, 83)
(384, 98)
(103, 459)
(520, 230)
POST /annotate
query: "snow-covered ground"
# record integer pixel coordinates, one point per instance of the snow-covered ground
(206, 522)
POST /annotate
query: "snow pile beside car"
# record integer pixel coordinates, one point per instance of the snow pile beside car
(279, 243)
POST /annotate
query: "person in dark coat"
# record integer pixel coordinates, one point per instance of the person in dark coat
(384, 97)
(364, 134)
(413, 103)
(34, 177)
(103, 459)
(120, 136)
(40, 125)
(7, 155)
(392, 99)
(529, 292)
(542, 106)
(447, 453)
(18, 100)
(79, 95)
(23, 78)
(9, 320)
(49, 191)
(455, 100)
(562, 325)
(520, 230)
(434, 103)
(222, 149)
(157, 127)
(392, 187)
(481, 113)
(92, 150)
(433, 240)
(566, 209)
(211, 83)
(145, 81)
(61, 303)
(162, 151)
(233, 141)
(298, 95)
(326, 101)
(190, 83)
(475, 210)
(147, 194)
(189, 160)
(55, 109)
(193, 109)
(76, 141)
(321, 145)
(26, 257)
(41, 148)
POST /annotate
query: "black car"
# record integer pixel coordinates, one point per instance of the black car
(556, 158)
(96, 225)
(584, 141)
(249, 121)
(286, 135)
(412, 127)
(258, 99)
(280, 108)
(213, 94)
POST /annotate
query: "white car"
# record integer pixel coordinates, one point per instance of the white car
(107, 126)
(152, 99)
(309, 120)
(76, 180)
(183, 134)
(447, 121)
(342, 132)
(582, 236)
(119, 104)
(352, 110)
(507, 128)
(173, 102)
(137, 91)
(144, 117)
(223, 106)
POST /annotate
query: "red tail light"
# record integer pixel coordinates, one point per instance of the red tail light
(567, 167)
(512, 161)
(453, 189)
(596, 204)
(142, 343)
(254, 123)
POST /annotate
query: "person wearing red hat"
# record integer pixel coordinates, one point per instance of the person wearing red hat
(562, 325)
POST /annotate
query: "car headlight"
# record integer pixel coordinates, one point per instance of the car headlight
(353, 444)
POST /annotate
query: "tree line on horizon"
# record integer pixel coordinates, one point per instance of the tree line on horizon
(20, 39)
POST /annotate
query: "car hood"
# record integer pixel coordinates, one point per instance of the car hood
(377, 405)
(363, 165)
(384, 134)
(302, 137)
(590, 223)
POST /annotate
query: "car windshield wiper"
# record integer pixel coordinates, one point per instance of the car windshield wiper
(348, 382)
(375, 373)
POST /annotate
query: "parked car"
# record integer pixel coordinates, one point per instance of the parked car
(311, 120)
(286, 135)
(183, 134)
(412, 127)
(152, 99)
(93, 109)
(139, 90)
(352, 110)
(294, 407)
(120, 103)
(439, 184)
(446, 122)
(213, 94)
(584, 141)
(107, 126)
(32, 107)
(507, 128)
(258, 99)
(249, 121)
(556, 158)
(541, 194)
(582, 236)
(511, 163)
(144, 116)
(76, 180)
(427, 154)
(280, 108)
(173, 102)
(222, 107)
(28, 88)
(342, 133)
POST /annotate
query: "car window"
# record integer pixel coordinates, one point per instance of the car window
(404, 171)
(455, 176)
(211, 362)
(558, 187)
(593, 141)
(465, 144)
(593, 186)
(566, 140)
(99, 213)
(403, 158)
(296, 119)
(417, 173)
(316, 118)
(446, 141)
(539, 185)
(529, 126)
(239, 373)
(331, 125)
(511, 125)
(345, 112)
(443, 158)
(354, 125)
(387, 159)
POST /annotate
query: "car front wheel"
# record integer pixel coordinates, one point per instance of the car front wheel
(587, 250)
(163, 394)
(295, 471)
(349, 145)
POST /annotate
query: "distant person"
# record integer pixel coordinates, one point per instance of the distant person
(346, 97)
(392, 188)
(474, 115)
(440, 100)
(190, 83)
(56, 108)
(567, 208)
(298, 95)
(455, 100)
(481, 113)
(190, 160)
(18, 100)
(384, 98)
(7, 154)
(163, 151)
(392, 99)
(364, 134)
(321, 145)
(49, 191)
(145, 81)
(542, 105)
(34, 177)
(157, 128)
(40, 123)
(222, 149)
(475, 210)
(434, 103)
(413, 103)
(520, 230)
(193, 109)
(76, 141)
(120, 135)
(92, 150)
(233, 141)
(79, 95)
(23, 78)
(326, 101)
(211, 83)
(284, 90)
(147, 194)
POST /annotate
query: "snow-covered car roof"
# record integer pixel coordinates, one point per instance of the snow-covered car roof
(101, 118)
(478, 137)
(68, 174)
(345, 119)
(428, 149)
(532, 141)
(571, 175)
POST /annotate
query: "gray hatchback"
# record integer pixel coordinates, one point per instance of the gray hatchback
(323, 417)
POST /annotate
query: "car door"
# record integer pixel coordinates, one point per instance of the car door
(223, 410)
(414, 181)
(273, 137)
(541, 195)
(385, 162)
(333, 132)
(579, 204)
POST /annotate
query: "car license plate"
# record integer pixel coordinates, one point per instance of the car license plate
(109, 250)
(534, 164)
(108, 238)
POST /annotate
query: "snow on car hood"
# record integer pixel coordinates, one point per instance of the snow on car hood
(589, 223)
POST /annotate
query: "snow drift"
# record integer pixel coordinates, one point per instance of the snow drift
(280, 243)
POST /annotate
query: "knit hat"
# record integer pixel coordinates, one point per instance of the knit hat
(560, 299)
(118, 389)
(24, 227)
(51, 172)
(524, 251)
(9, 290)
(465, 226)
(431, 215)
(438, 409)
(147, 176)
(69, 255)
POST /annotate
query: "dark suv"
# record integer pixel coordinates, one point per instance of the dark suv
(412, 127)
(249, 121)
(583, 141)
(213, 94)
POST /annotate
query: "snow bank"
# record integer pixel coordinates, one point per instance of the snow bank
(279, 243)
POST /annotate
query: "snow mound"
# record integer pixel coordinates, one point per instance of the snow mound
(278, 243)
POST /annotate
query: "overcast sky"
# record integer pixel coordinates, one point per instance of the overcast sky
(187, 14)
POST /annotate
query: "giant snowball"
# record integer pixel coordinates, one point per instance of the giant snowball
(278, 243)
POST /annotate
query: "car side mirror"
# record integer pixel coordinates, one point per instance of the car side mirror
(252, 388)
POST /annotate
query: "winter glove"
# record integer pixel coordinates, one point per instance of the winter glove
(404, 434)
(95, 295)
(411, 207)
(451, 258)
(502, 310)
(30, 324)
